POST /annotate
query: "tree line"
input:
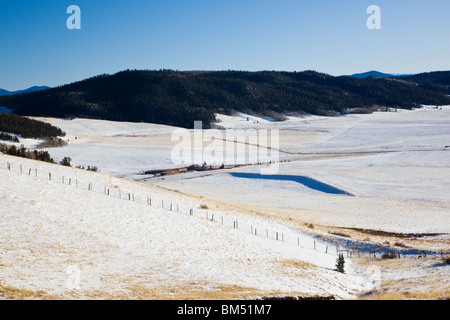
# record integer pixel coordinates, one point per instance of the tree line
(28, 128)
(23, 152)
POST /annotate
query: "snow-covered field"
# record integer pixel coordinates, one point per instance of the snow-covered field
(395, 165)
(59, 239)
(377, 180)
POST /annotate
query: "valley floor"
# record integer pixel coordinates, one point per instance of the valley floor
(373, 184)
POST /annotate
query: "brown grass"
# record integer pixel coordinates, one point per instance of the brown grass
(340, 234)
(393, 234)
(9, 292)
(443, 294)
(420, 285)
(183, 291)
(400, 244)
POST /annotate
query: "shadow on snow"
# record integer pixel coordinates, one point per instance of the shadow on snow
(307, 182)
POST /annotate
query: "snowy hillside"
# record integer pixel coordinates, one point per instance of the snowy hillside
(70, 233)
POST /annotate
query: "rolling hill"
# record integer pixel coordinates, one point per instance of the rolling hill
(437, 81)
(180, 98)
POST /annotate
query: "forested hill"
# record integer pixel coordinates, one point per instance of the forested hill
(436, 81)
(180, 98)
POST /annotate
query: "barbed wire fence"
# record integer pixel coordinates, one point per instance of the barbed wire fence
(285, 236)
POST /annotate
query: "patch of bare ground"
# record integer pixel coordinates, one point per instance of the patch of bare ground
(138, 289)
(187, 291)
(409, 279)
(416, 241)
(183, 291)
(394, 234)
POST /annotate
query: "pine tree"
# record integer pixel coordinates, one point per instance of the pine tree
(340, 261)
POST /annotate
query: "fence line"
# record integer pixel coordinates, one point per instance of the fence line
(289, 237)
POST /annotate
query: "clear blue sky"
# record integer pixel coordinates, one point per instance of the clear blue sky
(36, 48)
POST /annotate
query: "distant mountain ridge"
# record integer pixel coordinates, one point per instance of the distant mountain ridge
(377, 74)
(179, 98)
(4, 92)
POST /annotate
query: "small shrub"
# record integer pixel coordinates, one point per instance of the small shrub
(66, 162)
(52, 142)
(389, 255)
(360, 110)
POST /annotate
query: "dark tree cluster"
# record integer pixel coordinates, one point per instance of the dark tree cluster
(180, 98)
(8, 137)
(27, 128)
(23, 152)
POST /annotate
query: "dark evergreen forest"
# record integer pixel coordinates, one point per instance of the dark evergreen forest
(180, 98)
